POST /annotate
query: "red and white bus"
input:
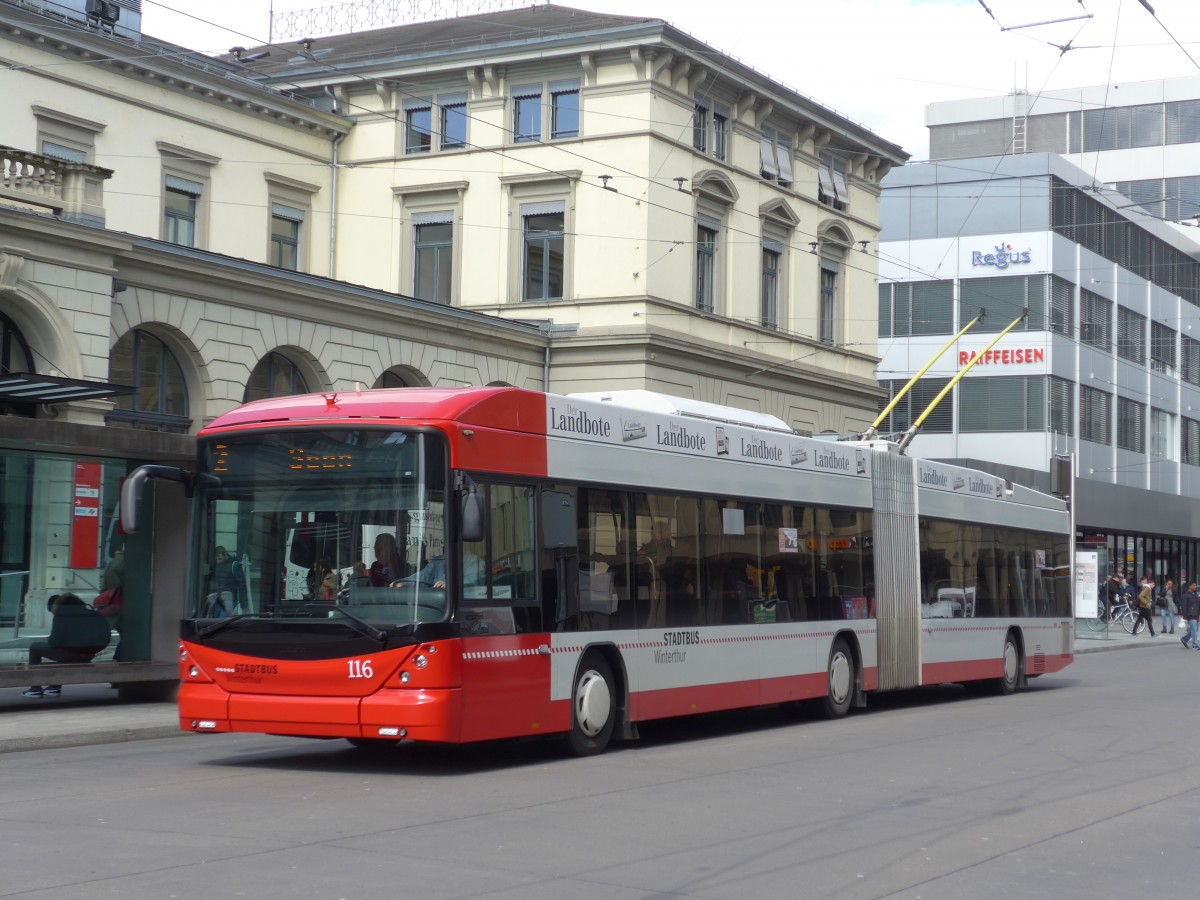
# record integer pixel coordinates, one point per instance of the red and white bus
(470, 564)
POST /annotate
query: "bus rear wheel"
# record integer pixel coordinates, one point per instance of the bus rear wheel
(840, 681)
(1011, 674)
(593, 706)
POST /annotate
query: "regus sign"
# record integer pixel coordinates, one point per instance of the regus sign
(1004, 256)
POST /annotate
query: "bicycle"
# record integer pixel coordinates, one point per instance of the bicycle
(1126, 613)
(1100, 621)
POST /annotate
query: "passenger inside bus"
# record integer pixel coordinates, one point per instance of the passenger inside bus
(322, 581)
(434, 573)
(387, 566)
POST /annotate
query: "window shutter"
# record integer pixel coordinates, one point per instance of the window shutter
(766, 158)
(785, 161)
(825, 179)
(280, 211)
(184, 186)
(445, 217)
(547, 208)
(933, 307)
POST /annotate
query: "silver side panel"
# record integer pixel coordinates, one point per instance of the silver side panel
(897, 571)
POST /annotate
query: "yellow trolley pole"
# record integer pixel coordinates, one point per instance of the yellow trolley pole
(871, 433)
(912, 431)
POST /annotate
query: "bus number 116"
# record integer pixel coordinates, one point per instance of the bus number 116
(360, 668)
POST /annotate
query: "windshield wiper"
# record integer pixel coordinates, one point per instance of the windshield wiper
(361, 624)
(224, 623)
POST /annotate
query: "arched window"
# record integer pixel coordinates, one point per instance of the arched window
(274, 376)
(14, 352)
(14, 357)
(159, 401)
(390, 379)
(401, 377)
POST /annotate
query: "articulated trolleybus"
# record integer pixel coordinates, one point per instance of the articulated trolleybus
(480, 563)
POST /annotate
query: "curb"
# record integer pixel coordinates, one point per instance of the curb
(88, 738)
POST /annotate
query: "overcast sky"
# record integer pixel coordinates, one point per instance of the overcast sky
(877, 61)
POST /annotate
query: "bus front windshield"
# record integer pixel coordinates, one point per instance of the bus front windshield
(290, 521)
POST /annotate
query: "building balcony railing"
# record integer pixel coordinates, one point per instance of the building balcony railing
(71, 190)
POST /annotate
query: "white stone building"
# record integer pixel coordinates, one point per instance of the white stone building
(543, 198)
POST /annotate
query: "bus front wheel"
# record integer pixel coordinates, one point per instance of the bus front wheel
(839, 689)
(593, 707)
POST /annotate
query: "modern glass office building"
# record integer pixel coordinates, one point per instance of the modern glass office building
(1103, 364)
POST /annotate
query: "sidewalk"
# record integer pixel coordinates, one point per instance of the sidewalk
(92, 714)
(84, 714)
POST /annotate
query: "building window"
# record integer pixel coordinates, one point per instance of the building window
(61, 151)
(1062, 412)
(775, 157)
(914, 403)
(1162, 348)
(544, 250)
(720, 131)
(700, 125)
(1095, 320)
(15, 356)
(1162, 434)
(1183, 122)
(1083, 220)
(564, 109)
(433, 257)
(831, 181)
(1189, 442)
(1131, 335)
(181, 201)
(1004, 299)
(159, 402)
(274, 376)
(285, 236)
(1175, 199)
(418, 126)
(1131, 425)
(1062, 306)
(527, 113)
(1095, 415)
(453, 120)
(706, 267)
(769, 309)
(1116, 128)
(562, 114)
(710, 128)
(66, 136)
(916, 307)
(1189, 354)
(1016, 403)
(827, 312)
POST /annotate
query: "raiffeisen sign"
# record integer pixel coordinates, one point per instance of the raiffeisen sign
(1001, 257)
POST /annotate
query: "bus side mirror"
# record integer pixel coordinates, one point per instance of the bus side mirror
(473, 516)
(135, 483)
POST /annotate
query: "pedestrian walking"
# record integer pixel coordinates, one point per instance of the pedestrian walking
(1190, 610)
(1145, 606)
(1165, 604)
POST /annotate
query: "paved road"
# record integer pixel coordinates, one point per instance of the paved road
(1085, 786)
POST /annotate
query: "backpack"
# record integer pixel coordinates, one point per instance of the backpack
(108, 603)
